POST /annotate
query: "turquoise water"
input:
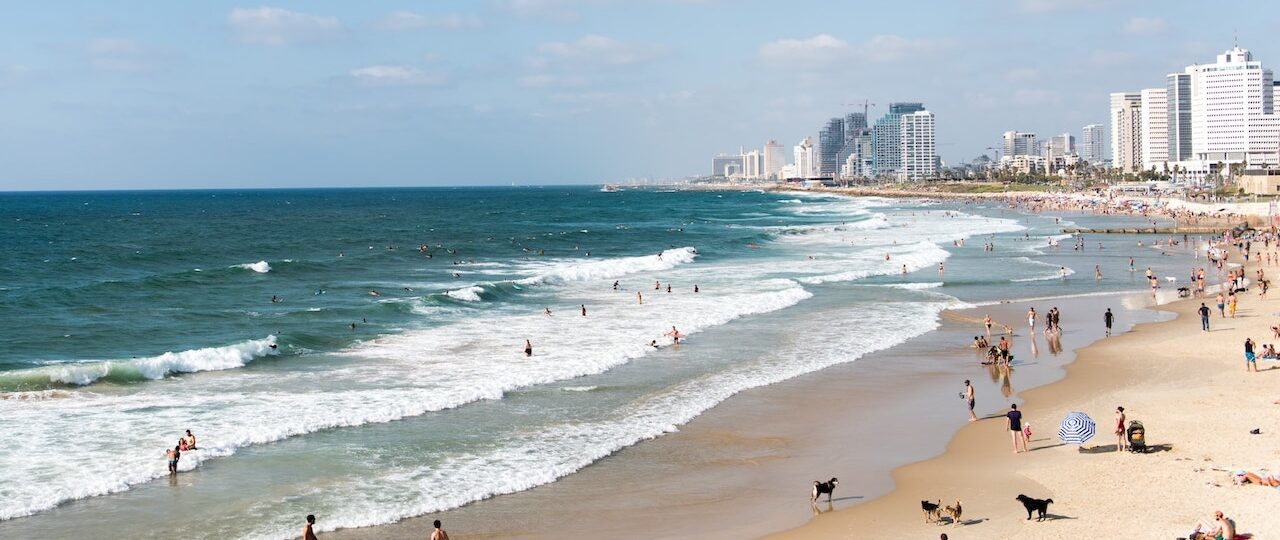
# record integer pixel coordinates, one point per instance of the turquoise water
(133, 316)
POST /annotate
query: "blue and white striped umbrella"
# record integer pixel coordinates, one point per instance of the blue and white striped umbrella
(1076, 428)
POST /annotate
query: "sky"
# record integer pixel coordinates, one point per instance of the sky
(213, 94)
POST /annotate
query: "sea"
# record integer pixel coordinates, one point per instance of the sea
(360, 353)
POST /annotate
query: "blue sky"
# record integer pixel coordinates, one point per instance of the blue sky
(112, 95)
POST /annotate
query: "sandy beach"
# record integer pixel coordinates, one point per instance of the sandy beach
(1190, 390)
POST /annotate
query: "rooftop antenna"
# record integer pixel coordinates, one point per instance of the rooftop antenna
(1235, 37)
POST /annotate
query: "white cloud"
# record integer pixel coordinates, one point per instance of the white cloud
(824, 50)
(1145, 26)
(391, 75)
(408, 20)
(596, 49)
(275, 26)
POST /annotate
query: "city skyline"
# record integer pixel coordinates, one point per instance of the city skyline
(286, 94)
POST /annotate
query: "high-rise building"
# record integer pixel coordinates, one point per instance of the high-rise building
(806, 162)
(1060, 145)
(753, 164)
(1018, 143)
(1091, 143)
(727, 165)
(886, 138)
(830, 142)
(1232, 110)
(918, 149)
(1126, 127)
(1154, 129)
(1178, 98)
(774, 159)
(854, 123)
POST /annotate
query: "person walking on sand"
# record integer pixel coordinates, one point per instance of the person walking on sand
(1031, 319)
(1204, 317)
(1120, 442)
(1222, 306)
(1250, 361)
(968, 399)
(307, 533)
(1014, 420)
(438, 533)
(986, 321)
(1107, 319)
(1231, 304)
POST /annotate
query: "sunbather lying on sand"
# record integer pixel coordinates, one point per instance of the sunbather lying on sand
(1262, 478)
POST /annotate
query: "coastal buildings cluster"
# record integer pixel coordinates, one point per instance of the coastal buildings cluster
(1209, 119)
(900, 145)
(1203, 125)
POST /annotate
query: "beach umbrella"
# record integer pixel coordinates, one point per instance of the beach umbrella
(1076, 428)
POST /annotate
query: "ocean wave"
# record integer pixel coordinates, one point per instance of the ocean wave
(139, 369)
(917, 257)
(390, 378)
(260, 267)
(1059, 273)
(611, 268)
(466, 294)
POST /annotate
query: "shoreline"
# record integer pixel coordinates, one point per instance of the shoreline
(1200, 435)
(740, 459)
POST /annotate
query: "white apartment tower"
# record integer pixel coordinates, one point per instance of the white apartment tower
(1126, 127)
(1154, 130)
(806, 159)
(919, 149)
(1232, 110)
(1091, 143)
(752, 164)
(774, 159)
(1017, 143)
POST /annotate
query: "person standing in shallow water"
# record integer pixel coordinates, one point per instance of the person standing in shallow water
(307, 533)
(528, 348)
(1107, 319)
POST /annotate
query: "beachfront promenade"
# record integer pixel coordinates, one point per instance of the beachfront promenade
(1191, 391)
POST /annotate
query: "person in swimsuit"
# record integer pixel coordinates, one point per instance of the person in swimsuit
(584, 309)
(1014, 417)
(1120, 442)
(639, 298)
(191, 440)
(438, 533)
(528, 348)
(1031, 318)
(675, 335)
(173, 455)
(986, 320)
(1250, 361)
(968, 398)
(1107, 319)
(307, 533)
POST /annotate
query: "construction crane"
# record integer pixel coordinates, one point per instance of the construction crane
(865, 103)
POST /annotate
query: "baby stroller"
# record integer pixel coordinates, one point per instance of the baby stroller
(1137, 436)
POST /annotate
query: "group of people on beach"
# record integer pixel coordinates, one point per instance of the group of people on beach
(186, 443)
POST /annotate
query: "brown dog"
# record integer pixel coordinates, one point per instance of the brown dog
(954, 513)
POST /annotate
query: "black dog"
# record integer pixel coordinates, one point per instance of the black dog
(820, 488)
(1040, 506)
(932, 511)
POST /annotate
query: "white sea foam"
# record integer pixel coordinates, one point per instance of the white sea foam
(611, 268)
(388, 379)
(156, 367)
(1057, 274)
(915, 286)
(466, 294)
(260, 267)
